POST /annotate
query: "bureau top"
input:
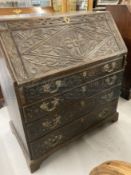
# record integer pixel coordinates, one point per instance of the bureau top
(36, 47)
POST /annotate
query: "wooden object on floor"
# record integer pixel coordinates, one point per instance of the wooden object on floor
(122, 17)
(112, 168)
(62, 76)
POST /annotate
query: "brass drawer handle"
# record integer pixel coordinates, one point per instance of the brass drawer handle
(103, 114)
(82, 120)
(108, 97)
(49, 106)
(51, 142)
(53, 124)
(109, 67)
(47, 88)
(111, 80)
(83, 88)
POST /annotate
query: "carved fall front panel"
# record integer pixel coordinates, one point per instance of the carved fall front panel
(62, 46)
(46, 46)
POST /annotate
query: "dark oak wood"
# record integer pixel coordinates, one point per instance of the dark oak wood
(61, 77)
(14, 11)
(122, 17)
(62, 135)
(1, 99)
(44, 89)
(35, 164)
(47, 124)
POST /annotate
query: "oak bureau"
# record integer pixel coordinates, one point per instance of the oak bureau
(61, 76)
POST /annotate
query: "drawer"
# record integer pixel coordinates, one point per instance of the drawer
(69, 100)
(46, 88)
(69, 111)
(62, 135)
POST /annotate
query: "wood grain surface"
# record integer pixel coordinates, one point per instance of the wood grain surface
(112, 168)
(122, 17)
(34, 10)
(57, 69)
(94, 39)
(1, 98)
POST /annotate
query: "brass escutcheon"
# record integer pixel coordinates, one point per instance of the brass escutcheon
(67, 19)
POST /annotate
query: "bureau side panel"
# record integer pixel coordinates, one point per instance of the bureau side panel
(8, 89)
(1, 98)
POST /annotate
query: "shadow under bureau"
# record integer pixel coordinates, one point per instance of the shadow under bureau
(61, 76)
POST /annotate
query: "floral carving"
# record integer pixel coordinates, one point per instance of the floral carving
(49, 45)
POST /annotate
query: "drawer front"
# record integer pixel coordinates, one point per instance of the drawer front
(69, 100)
(46, 88)
(69, 111)
(62, 135)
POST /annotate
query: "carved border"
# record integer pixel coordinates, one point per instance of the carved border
(13, 57)
(12, 53)
(50, 21)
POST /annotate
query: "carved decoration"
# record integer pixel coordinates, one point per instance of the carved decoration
(55, 103)
(78, 104)
(110, 67)
(42, 127)
(12, 56)
(111, 80)
(50, 106)
(52, 124)
(49, 44)
(108, 96)
(67, 132)
(3, 26)
(48, 123)
(47, 88)
(50, 142)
